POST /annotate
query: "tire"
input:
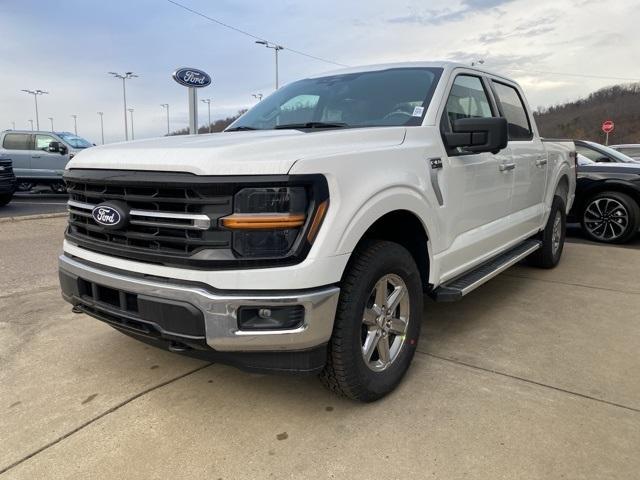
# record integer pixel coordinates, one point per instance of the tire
(5, 199)
(610, 217)
(552, 237)
(376, 266)
(58, 187)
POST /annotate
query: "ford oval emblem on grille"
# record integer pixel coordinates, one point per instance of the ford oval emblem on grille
(110, 215)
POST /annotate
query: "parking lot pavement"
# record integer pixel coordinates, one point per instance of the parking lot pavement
(36, 203)
(532, 376)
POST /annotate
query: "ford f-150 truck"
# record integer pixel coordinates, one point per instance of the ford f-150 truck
(303, 237)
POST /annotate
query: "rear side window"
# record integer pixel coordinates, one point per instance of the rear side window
(514, 111)
(467, 99)
(16, 141)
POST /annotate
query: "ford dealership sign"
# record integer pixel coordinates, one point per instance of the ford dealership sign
(192, 77)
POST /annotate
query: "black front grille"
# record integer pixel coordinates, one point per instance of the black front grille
(147, 234)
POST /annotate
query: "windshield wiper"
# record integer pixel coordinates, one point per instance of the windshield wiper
(294, 126)
(241, 128)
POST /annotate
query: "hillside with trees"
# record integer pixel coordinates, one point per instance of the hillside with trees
(583, 118)
(217, 126)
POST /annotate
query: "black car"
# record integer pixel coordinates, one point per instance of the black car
(607, 202)
(7, 181)
(601, 153)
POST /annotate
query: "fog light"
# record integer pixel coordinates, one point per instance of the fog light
(270, 318)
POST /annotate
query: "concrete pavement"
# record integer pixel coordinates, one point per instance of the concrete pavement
(532, 376)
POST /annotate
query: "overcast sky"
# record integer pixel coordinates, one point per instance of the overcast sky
(67, 49)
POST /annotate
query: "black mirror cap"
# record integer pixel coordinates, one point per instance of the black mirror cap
(479, 134)
(54, 147)
(63, 149)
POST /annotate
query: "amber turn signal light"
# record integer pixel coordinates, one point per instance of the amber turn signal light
(317, 221)
(266, 221)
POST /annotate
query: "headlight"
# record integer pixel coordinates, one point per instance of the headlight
(270, 221)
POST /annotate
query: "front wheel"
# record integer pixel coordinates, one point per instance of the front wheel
(377, 322)
(611, 217)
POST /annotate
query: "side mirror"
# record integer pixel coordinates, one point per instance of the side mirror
(63, 149)
(479, 134)
(54, 147)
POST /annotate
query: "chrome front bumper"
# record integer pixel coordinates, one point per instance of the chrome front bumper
(220, 310)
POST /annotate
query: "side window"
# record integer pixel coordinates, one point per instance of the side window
(514, 112)
(43, 141)
(468, 99)
(16, 141)
(592, 154)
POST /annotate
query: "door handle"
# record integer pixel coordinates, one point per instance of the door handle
(541, 162)
(507, 166)
(35, 156)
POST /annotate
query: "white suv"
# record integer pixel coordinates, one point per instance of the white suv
(302, 238)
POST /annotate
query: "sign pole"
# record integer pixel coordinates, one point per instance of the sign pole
(193, 111)
(606, 140)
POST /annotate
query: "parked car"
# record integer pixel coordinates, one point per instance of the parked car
(601, 153)
(40, 157)
(630, 150)
(608, 200)
(7, 181)
(302, 238)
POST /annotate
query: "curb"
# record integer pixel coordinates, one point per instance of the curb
(33, 217)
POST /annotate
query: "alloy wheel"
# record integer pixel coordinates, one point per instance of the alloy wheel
(606, 219)
(384, 322)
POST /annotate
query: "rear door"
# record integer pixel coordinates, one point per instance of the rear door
(477, 193)
(529, 156)
(17, 147)
(46, 164)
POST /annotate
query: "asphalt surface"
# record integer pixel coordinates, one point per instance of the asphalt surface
(532, 376)
(37, 202)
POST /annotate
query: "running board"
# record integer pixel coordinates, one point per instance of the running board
(459, 287)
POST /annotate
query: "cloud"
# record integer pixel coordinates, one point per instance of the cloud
(524, 30)
(447, 15)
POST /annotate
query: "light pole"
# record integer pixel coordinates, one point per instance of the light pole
(166, 105)
(101, 126)
(131, 112)
(257, 96)
(208, 102)
(75, 124)
(124, 76)
(35, 94)
(31, 122)
(51, 120)
(276, 48)
(14, 125)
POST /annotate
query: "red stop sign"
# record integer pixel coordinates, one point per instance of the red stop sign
(608, 126)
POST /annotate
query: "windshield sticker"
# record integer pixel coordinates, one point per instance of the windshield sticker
(418, 111)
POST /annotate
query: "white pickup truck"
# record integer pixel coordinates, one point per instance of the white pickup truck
(303, 237)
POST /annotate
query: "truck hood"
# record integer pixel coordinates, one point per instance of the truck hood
(234, 153)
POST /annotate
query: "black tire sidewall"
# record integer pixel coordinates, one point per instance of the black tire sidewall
(392, 259)
(633, 210)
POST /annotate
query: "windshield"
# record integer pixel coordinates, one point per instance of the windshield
(74, 140)
(393, 97)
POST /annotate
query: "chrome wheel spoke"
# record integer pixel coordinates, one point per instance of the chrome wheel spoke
(370, 344)
(394, 299)
(384, 352)
(398, 326)
(370, 316)
(381, 293)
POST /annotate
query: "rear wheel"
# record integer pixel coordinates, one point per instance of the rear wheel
(610, 217)
(377, 322)
(552, 237)
(58, 187)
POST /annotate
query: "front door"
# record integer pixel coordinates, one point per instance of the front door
(477, 197)
(44, 163)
